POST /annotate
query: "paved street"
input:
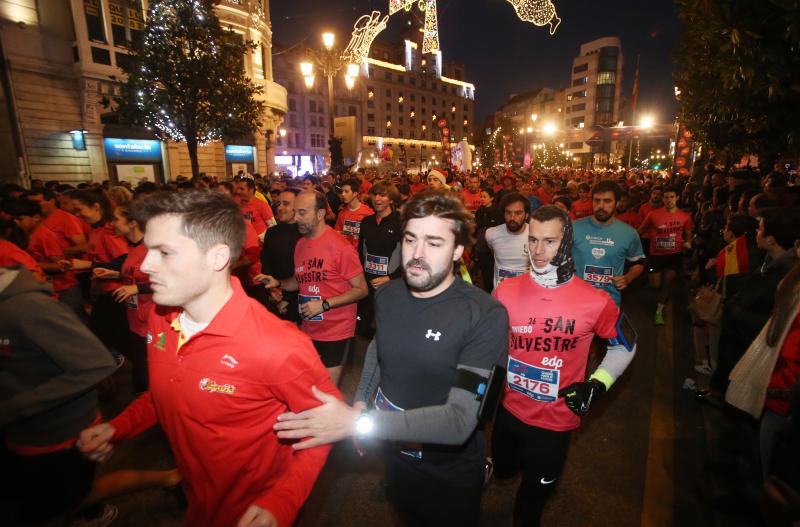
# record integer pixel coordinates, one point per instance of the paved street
(637, 460)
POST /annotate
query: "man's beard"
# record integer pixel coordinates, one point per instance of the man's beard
(425, 282)
(514, 226)
(601, 215)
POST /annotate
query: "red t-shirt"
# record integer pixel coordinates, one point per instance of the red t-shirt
(645, 209)
(786, 371)
(11, 255)
(217, 397)
(582, 208)
(471, 200)
(252, 251)
(543, 196)
(348, 224)
(323, 268)
(46, 246)
(139, 305)
(258, 213)
(667, 230)
(551, 331)
(418, 187)
(105, 246)
(65, 225)
(630, 217)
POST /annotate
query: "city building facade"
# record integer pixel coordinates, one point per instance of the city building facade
(61, 66)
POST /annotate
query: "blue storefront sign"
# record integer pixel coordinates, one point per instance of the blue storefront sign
(239, 154)
(122, 150)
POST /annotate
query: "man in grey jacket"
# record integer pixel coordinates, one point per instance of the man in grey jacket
(50, 364)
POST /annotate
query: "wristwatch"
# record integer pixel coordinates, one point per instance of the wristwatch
(325, 306)
(364, 424)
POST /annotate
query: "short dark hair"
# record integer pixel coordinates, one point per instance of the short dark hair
(513, 197)
(445, 205)
(564, 200)
(740, 224)
(207, 217)
(23, 207)
(488, 190)
(353, 183)
(145, 187)
(584, 187)
(291, 190)
(249, 181)
(320, 201)
(46, 193)
(671, 189)
(782, 224)
(548, 213)
(607, 185)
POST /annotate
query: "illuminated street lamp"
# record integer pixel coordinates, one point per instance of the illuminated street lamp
(329, 61)
(549, 128)
(646, 122)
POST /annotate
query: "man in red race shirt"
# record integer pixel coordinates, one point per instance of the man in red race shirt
(48, 249)
(329, 280)
(471, 196)
(671, 233)
(66, 225)
(353, 212)
(258, 212)
(583, 206)
(222, 368)
(625, 213)
(553, 316)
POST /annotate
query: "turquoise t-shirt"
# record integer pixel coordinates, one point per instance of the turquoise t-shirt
(600, 252)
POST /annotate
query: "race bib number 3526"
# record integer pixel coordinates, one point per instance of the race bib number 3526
(537, 383)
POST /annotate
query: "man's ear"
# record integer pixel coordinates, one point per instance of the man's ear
(457, 252)
(219, 256)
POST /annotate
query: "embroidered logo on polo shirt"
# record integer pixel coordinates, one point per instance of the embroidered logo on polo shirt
(162, 341)
(207, 385)
(228, 361)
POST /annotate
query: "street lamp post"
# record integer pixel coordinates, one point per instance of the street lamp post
(330, 61)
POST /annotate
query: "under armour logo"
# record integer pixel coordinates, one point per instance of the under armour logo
(435, 336)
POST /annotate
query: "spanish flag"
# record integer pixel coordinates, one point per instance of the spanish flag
(734, 258)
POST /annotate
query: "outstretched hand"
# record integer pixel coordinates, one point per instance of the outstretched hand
(329, 422)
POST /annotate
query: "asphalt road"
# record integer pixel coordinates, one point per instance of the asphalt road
(638, 459)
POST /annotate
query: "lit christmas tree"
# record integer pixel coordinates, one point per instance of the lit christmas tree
(186, 80)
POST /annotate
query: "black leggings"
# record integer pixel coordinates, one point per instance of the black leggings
(539, 453)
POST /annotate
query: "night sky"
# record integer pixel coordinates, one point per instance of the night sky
(504, 55)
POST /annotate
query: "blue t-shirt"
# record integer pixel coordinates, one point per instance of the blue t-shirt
(600, 252)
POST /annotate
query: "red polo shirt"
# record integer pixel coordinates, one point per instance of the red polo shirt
(65, 225)
(11, 255)
(217, 396)
(106, 246)
(46, 246)
(140, 304)
(582, 208)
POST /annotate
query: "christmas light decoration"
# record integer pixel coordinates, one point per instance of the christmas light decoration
(365, 30)
(538, 12)
(430, 35)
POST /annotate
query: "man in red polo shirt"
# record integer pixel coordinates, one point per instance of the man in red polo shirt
(258, 212)
(65, 225)
(222, 368)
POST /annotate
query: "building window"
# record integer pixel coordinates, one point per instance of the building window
(292, 104)
(604, 105)
(312, 106)
(412, 81)
(293, 120)
(291, 87)
(317, 141)
(370, 117)
(370, 104)
(388, 107)
(413, 98)
(401, 79)
(370, 130)
(580, 81)
(422, 100)
(388, 132)
(576, 121)
(579, 94)
(127, 22)
(580, 68)
(576, 146)
(578, 107)
(606, 77)
(351, 110)
(388, 92)
(94, 20)
(387, 75)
